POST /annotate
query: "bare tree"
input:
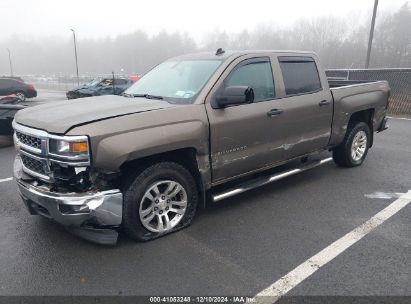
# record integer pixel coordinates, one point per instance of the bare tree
(340, 42)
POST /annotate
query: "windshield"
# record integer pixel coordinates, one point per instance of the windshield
(93, 83)
(176, 80)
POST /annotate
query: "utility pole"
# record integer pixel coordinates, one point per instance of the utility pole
(114, 88)
(11, 65)
(367, 61)
(75, 54)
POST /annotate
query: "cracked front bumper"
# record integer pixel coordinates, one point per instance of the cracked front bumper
(91, 215)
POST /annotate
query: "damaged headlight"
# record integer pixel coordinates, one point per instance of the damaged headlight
(70, 147)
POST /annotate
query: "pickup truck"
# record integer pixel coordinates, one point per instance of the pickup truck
(196, 128)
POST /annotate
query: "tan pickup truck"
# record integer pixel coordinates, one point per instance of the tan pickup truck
(146, 160)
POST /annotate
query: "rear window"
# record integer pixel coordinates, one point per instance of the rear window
(8, 82)
(300, 75)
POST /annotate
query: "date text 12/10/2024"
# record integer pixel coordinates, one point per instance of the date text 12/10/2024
(202, 299)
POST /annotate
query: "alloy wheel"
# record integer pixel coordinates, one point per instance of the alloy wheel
(163, 206)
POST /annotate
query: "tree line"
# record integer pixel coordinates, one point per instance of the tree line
(340, 43)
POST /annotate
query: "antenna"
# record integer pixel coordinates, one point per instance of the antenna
(219, 52)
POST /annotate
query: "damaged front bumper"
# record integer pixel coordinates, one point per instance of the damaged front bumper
(91, 215)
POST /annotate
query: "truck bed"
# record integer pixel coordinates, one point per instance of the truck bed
(336, 83)
(355, 96)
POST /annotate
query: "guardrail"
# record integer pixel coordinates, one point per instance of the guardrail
(399, 80)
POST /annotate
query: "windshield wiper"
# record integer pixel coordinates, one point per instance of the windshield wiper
(148, 96)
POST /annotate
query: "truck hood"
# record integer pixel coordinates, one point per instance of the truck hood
(59, 117)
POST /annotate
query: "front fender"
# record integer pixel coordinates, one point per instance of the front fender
(118, 140)
(147, 142)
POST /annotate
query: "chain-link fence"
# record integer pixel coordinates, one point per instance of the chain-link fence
(58, 83)
(398, 79)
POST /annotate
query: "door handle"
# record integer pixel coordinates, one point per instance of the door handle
(324, 103)
(274, 112)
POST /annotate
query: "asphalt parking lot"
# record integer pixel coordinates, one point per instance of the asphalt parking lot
(236, 247)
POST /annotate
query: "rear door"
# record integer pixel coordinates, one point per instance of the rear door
(306, 106)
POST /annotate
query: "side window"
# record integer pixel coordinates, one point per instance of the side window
(14, 83)
(255, 74)
(7, 83)
(120, 81)
(300, 75)
(106, 82)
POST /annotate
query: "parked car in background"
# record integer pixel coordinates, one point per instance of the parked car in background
(134, 77)
(9, 99)
(22, 90)
(9, 105)
(14, 77)
(100, 86)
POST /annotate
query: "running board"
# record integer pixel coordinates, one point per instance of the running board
(266, 180)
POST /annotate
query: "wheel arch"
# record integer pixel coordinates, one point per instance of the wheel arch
(366, 116)
(20, 91)
(186, 157)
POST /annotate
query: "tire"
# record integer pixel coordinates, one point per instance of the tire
(21, 95)
(344, 155)
(136, 201)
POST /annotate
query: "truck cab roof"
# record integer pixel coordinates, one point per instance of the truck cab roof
(223, 55)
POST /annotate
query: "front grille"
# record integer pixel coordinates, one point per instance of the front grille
(29, 140)
(34, 165)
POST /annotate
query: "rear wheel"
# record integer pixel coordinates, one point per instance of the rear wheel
(353, 150)
(20, 95)
(161, 199)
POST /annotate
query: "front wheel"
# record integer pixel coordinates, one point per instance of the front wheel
(353, 150)
(161, 199)
(20, 95)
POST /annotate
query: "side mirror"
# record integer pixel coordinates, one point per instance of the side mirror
(234, 95)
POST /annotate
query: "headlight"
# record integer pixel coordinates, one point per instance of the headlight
(65, 147)
(76, 146)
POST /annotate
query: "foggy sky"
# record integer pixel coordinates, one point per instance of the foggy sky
(102, 18)
(133, 36)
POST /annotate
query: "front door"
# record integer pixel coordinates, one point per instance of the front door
(240, 136)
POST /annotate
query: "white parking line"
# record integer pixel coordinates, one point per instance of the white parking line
(384, 195)
(402, 118)
(6, 179)
(279, 288)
